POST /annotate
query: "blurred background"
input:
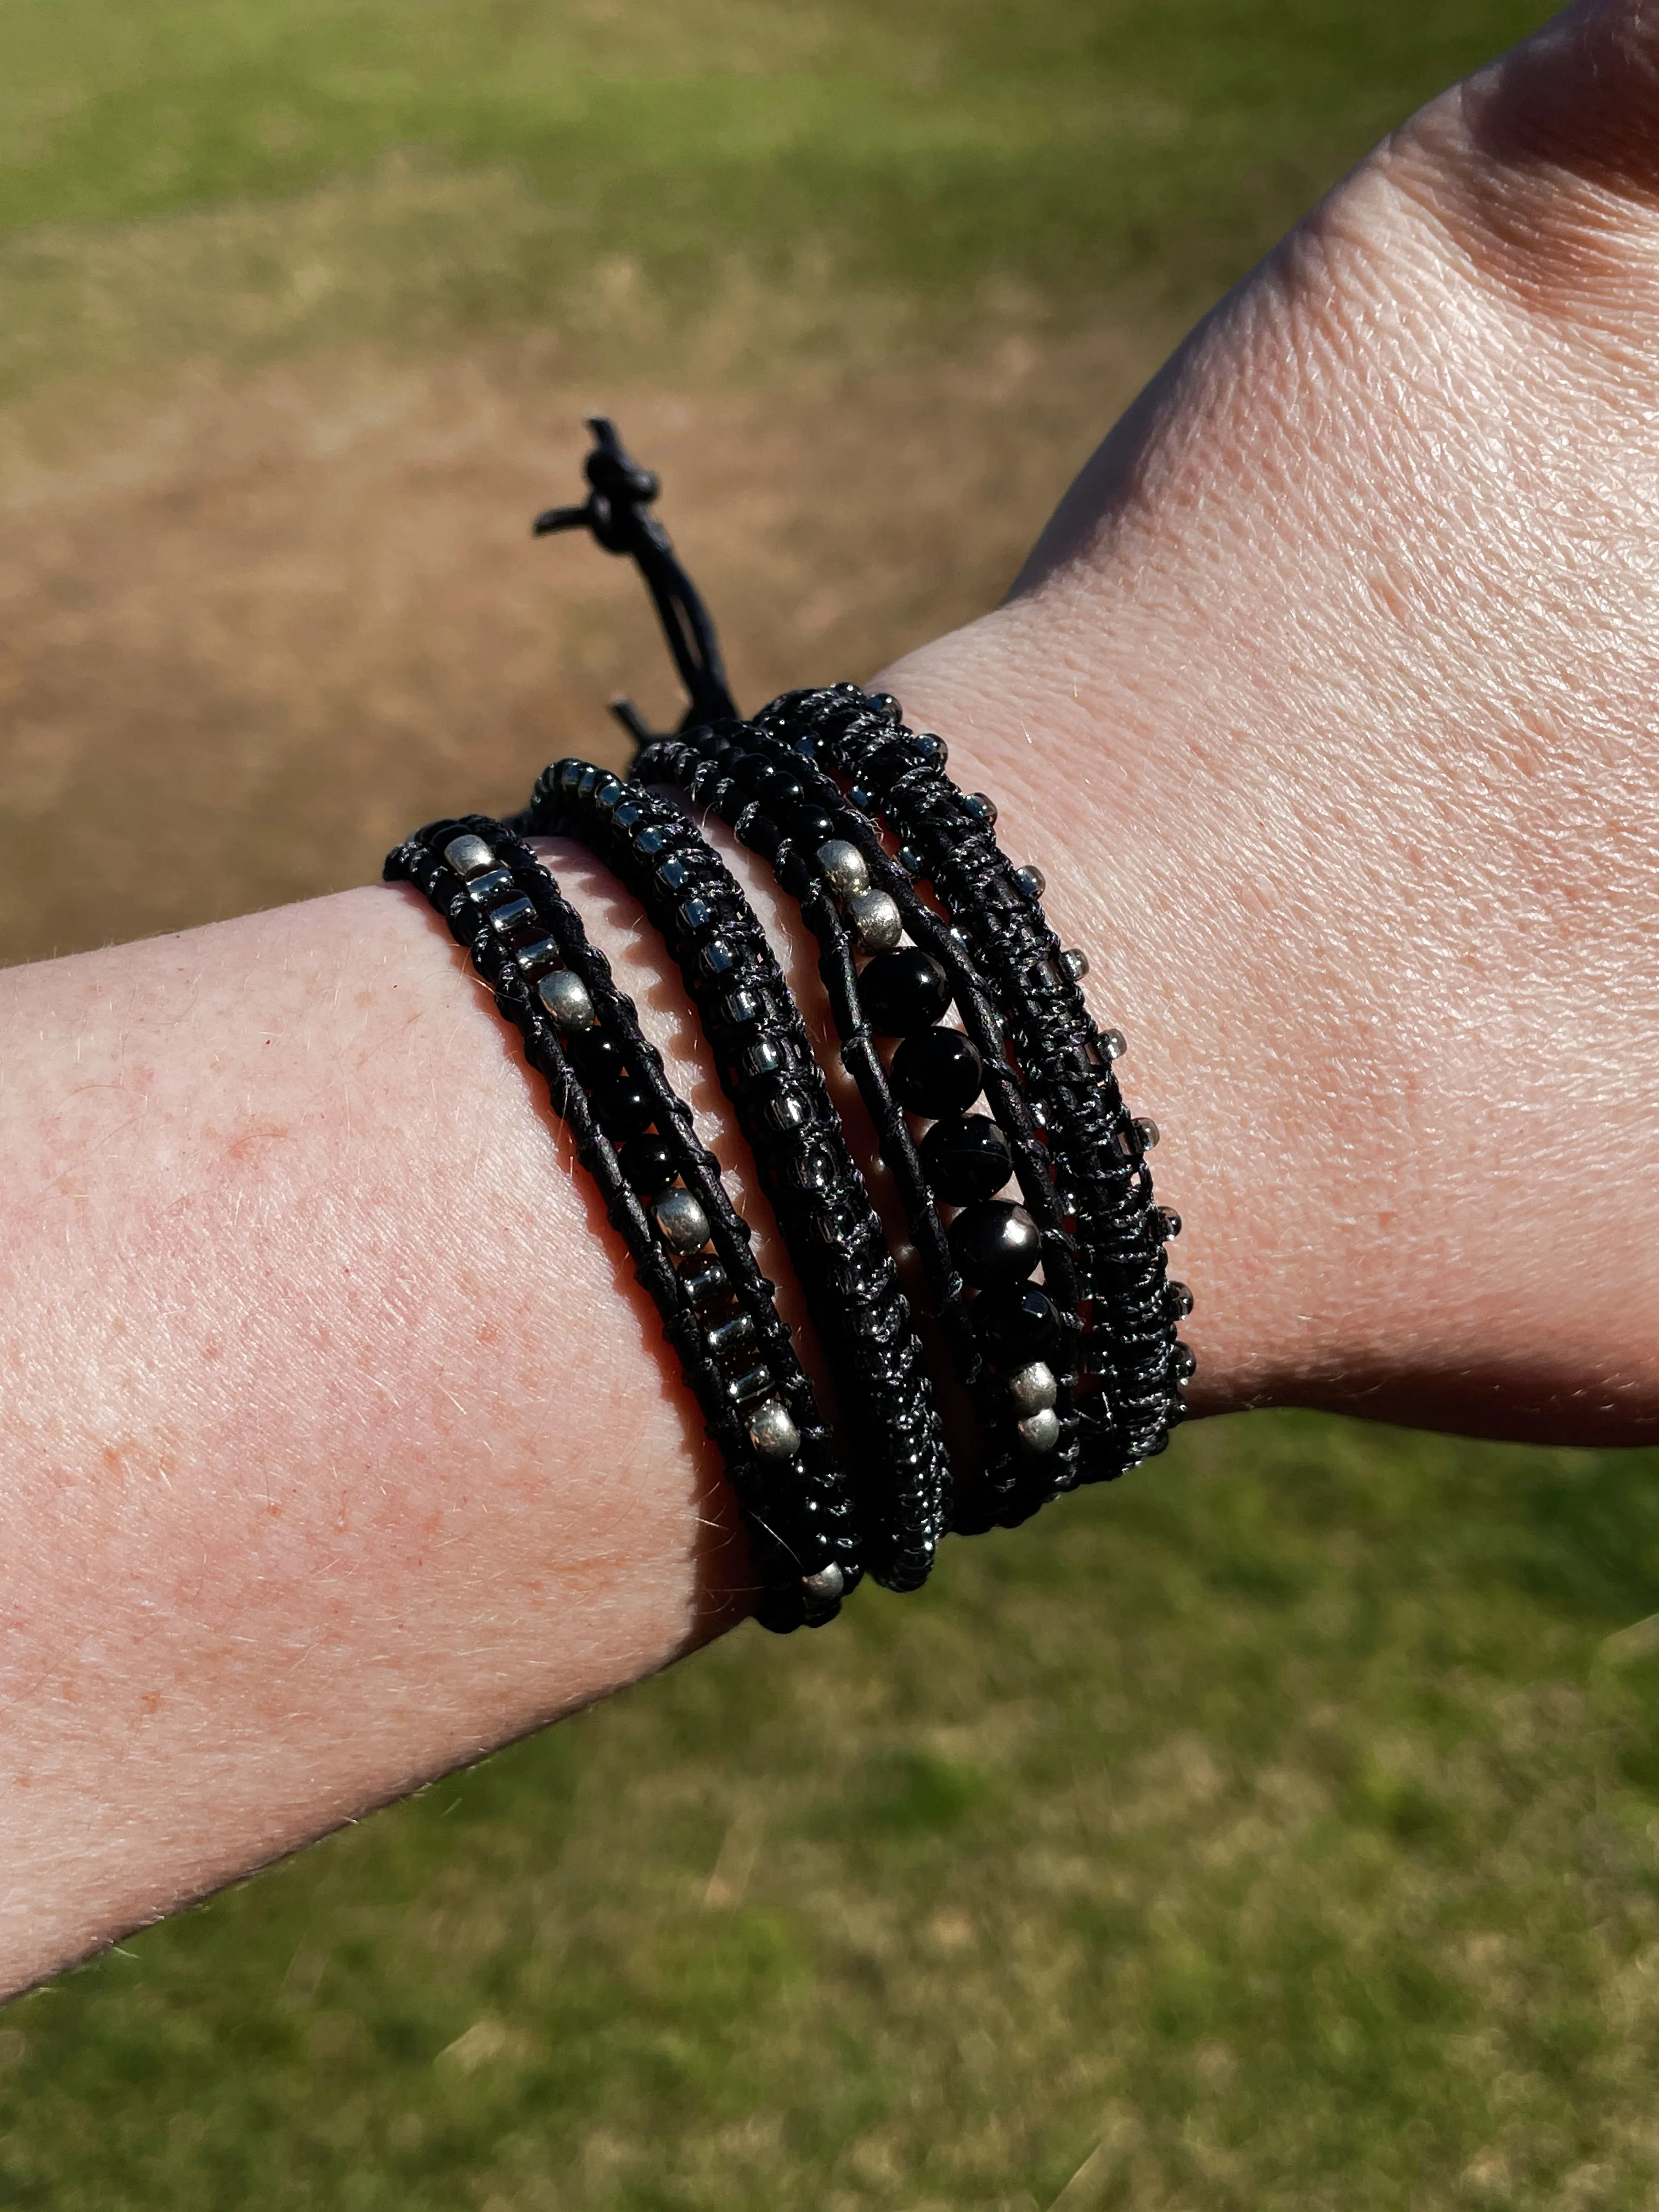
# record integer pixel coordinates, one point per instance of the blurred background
(1279, 1828)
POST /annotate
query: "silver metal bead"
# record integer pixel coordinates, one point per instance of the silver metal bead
(845, 868)
(772, 1432)
(1077, 964)
(468, 855)
(1032, 1387)
(534, 959)
(681, 1220)
(876, 918)
(564, 994)
(828, 1582)
(1031, 880)
(1040, 1432)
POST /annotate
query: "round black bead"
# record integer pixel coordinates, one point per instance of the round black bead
(647, 1166)
(764, 779)
(903, 991)
(808, 826)
(1017, 1325)
(624, 1107)
(966, 1158)
(594, 1056)
(937, 1072)
(994, 1243)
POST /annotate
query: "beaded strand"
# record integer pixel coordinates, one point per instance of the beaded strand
(607, 1082)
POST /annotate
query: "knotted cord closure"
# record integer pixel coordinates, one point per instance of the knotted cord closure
(616, 514)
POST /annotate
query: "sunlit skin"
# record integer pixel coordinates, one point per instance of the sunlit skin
(337, 1444)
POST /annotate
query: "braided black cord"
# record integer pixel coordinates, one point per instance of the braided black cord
(1097, 1149)
(1013, 1483)
(784, 1109)
(798, 1517)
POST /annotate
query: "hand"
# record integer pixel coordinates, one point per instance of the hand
(1328, 701)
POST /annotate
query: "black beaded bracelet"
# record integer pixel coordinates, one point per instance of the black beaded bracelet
(1014, 1346)
(766, 1065)
(947, 837)
(662, 1191)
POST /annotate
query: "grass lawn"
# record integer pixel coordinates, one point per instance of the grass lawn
(1279, 1828)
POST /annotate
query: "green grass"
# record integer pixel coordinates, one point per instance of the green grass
(1273, 1826)
(918, 152)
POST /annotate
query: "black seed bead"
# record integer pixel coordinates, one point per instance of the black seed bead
(765, 1058)
(595, 1057)
(648, 1166)
(994, 1243)
(913, 862)
(1017, 1325)
(810, 826)
(813, 1169)
(966, 1158)
(706, 1281)
(903, 991)
(937, 1072)
(624, 1107)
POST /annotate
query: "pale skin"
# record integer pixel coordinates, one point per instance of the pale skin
(336, 1444)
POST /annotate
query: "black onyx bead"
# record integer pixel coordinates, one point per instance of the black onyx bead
(647, 1166)
(624, 1107)
(937, 1072)
(763, 836)
(594, 1056)
(994, 1243)
(1017, 1325)
(903, 991)
(758, 776)
(808, 826)
(966, 1158)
